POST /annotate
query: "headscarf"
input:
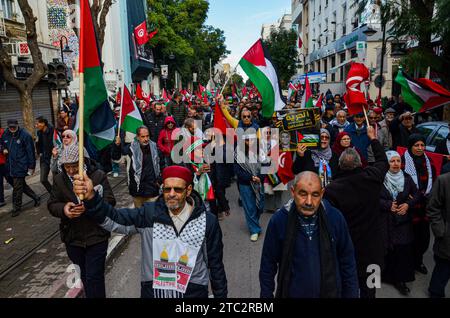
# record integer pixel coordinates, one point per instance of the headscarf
(417, 166)
(73, 135)
(322, 154)
(394, 182)
(337, 147)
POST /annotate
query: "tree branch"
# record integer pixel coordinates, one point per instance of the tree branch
(40, 69)
(5, 64)
(102, 21)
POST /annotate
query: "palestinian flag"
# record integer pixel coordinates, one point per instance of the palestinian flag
(307, 100)
(257, 65)
(98, 118)
(422, 94)
(57, 142)
(319, 103)
(130, 117)
(291, 91)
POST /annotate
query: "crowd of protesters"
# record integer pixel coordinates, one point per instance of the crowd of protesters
(357, 200)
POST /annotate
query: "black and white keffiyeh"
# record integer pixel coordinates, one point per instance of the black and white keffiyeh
(410, 169)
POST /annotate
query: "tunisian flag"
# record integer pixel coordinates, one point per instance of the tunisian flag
(141, 35)
(355, 98)
(140, 94)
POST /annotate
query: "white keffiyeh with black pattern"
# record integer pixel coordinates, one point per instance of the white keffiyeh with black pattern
(410, 169)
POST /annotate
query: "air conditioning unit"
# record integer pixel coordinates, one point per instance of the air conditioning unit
(11, 48)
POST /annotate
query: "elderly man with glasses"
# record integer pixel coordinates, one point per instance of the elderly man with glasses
(182, 247)
(401, 128)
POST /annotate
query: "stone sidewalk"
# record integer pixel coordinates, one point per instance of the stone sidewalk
(22, 235)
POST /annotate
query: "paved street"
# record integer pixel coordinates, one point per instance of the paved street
(241, 259)
(34, 263)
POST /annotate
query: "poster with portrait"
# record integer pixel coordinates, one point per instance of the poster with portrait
(298, 126)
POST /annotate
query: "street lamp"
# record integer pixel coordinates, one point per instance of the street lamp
(65, 50)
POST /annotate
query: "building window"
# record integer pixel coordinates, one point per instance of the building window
(7, 7)
(344, 28)
(326, 3)
(325, 65)
(354, 54)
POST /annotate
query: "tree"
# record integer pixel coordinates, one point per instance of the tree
(25, 87)
(421, 21)
(282, 46)
(181, 32)
(99, 10)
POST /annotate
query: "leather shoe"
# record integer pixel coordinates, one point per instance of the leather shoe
(37, 202)
(403, 289)
(2, 204)
(15, 213)
(422, 269)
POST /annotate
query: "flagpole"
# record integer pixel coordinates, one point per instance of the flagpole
(81, 132)
(366, 93)
(121, 108)
(226, 83)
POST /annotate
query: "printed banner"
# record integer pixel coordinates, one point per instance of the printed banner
(176, 262)
(298, 126)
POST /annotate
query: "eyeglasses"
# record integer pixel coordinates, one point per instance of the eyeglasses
(244, 117)
(407, 118)
(345, 139)
(178, 190)
(324, 137)
(373, 118)
(67, 136)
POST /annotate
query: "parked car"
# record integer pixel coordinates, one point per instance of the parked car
(434, 132)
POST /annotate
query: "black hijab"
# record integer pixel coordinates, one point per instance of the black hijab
(419, 161)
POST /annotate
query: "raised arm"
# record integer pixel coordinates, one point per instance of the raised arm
(98, 209)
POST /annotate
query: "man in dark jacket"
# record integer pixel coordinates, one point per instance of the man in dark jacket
(438, 210)
(358, 133)
(86, 242)
(401, 128)
(308, 244)
(145, 166)
(44, 147)
(177, 109)
(155, 122)
(356, 193)
(18, 146)
(182, 247)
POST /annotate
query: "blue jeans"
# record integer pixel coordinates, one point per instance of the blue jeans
(115, 167)
(252, 214)
(440, 278)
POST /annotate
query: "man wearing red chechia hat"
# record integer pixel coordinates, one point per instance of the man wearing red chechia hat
(182, 247)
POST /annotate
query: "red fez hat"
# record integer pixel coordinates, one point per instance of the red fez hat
(178, 172)
(378, 110)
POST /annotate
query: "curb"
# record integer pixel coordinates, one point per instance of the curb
(115, 243)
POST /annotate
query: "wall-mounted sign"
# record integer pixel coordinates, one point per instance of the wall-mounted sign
(23, 70)
(164, 71)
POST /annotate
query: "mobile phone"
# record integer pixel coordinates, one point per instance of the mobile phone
(76, 206)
